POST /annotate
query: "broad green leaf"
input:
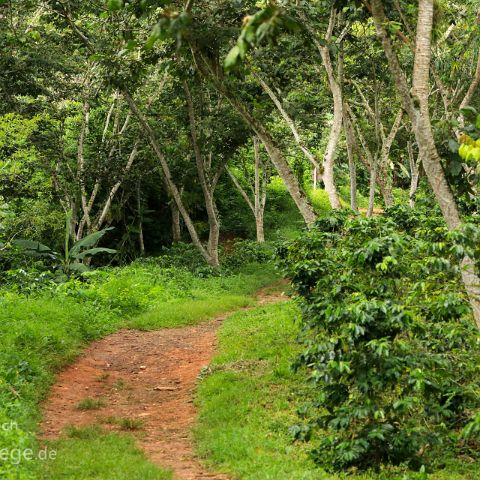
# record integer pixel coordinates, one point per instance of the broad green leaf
(78, 267)
(93, 251)
(32, 245)
(88, 241)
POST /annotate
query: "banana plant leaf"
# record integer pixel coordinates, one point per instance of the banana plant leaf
(88, 241)
(93, 251)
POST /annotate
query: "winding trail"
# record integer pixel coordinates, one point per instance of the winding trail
(149, 377)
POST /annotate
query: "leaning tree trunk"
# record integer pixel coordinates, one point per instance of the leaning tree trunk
(205, 183)
(172, 188)
(276, 156)
(420, 118)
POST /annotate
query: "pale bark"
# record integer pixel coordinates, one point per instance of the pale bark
(352, 169)
(291, 124)
(260, 196)
(205, 183)
(81, 164)
(371, 190)
(336, 128)
(387, 143)
(171, 186)
(471, 90)
(113, 191)
(276, 156)
(420, 118)
(259, 190)
(414, 175)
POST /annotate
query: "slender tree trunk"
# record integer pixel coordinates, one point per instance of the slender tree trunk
(172, 188)
(205, 183)
(420, 118)
(352, 169)
(288, 120)
(371, 191)
(176, 227)
(414, 175)
(471, 90)
(81, 166)
(336, 128)
(141, 240)
(259, 192)
(259, 205)
(276, 156)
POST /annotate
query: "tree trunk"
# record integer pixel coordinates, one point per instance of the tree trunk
(288, 120)
(259, 205)
(205, 183)
(414, 175)
(420, 118)
(352, 169)
(336, 128)
(176, 228)
(371, 192)
(172, 188)
(259, 191)
(141, 240)
(276, 156)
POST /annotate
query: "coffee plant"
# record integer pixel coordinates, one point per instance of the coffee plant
(389, 341)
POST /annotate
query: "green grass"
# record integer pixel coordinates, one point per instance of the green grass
(248, 402)
(251, 397)
(43, 331)
(91, 404)
(93, 455)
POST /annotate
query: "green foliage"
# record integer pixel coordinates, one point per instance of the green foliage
(389, 340)
(249, 397)
(71, 261)
(42, 328)
(93, 454)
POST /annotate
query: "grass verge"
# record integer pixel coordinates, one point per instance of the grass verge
(41, 332)
(91, 454)
(251, 397)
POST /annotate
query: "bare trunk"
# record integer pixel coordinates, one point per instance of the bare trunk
(335, 131)
(420, 119)
(176, 228)
(385, 158)
(471, 90)
(81, 166)
(296, 135)
(259, 191)
(276, 156)
(336, 128)
(352, 169)
(113, 191)
(205, 183)
(373, 183)
(141, 240)
(414, 175)
(259, 202)
(172, 188)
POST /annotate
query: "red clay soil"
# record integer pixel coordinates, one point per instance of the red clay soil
(149, 377)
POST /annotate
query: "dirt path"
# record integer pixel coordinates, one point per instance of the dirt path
(148, 377)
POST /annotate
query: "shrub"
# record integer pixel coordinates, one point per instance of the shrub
(388, 335)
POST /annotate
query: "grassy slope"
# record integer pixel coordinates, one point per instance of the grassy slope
(41, 333)
(251, 398)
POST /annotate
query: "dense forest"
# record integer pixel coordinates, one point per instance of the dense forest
(239, 237)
